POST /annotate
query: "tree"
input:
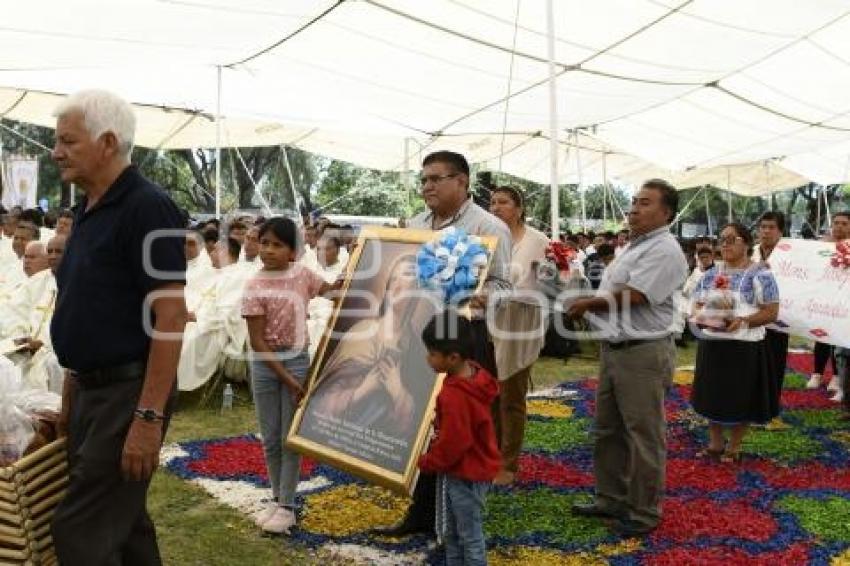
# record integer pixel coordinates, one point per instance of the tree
(348, 189)
(813, 196)
(599, 202)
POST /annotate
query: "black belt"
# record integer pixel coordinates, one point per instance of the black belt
(102, 377)
(626, 344)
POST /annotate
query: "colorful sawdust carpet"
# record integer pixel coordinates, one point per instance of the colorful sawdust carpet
(787, 503)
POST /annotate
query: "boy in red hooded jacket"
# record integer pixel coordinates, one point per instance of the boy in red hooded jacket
(465, 453)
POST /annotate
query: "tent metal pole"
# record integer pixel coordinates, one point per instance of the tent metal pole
(605, 191)
(817, 227)
(826, 208)
(553, 120)
(406, 178)
(708, 214)
(729, 193)
(218, 143)
(581, 185)
(295, 198)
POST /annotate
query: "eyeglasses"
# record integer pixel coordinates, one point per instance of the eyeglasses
(730, 240)
(434, 179)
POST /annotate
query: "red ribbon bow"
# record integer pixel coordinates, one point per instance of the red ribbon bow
(560, 254)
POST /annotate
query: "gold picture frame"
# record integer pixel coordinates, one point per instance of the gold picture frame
(379, 442)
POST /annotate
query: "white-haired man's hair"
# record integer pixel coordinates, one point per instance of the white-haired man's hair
(35, 246)
(103, 112)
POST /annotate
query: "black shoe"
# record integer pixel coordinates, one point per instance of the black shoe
(631, 529)
(591, 510)
(405, 527)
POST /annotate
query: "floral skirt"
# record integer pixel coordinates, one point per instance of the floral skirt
(733, 382)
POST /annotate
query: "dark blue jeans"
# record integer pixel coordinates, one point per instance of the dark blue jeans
(464, 522)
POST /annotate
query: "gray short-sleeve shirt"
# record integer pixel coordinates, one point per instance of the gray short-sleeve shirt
(654, 265)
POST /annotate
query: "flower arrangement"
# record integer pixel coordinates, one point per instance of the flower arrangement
(452, 263)
(554, 272)
(561, 255)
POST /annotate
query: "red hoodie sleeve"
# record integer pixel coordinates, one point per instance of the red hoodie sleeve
(454, 437)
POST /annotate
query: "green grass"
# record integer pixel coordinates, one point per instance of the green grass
(195, 529)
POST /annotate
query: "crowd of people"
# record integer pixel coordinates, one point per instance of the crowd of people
(76, 295)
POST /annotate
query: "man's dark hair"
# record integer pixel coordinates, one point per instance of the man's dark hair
(624, 231)
(844, 213)
(210, 235)
(50, 219)
(233, 248)
(66, 213)
(236, 225)
(449, 333)
(605, 250)
(32, 215)
(704, 250)
(669, 195)
(457, 161)
(32, 228)
(284, 230)
(774, 216)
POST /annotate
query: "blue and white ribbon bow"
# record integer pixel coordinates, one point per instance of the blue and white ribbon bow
(452, 263)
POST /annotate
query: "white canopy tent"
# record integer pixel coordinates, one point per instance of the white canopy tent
(748, 95)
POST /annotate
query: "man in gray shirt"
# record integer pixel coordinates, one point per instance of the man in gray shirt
(634, 313)
(445, 189)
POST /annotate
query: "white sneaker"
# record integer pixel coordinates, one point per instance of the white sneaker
(814, 381)
(265, 513)
(838, 397)
(280, 523)
(834, 384)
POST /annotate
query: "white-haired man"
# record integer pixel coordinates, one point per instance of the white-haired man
(123, 270)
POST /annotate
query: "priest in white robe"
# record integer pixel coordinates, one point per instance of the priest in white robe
(216, 331)
(200, 273)
(329, 266)
(26, 331)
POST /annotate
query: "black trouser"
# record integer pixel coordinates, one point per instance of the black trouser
(823, 353)
(776, 344)
(103, 520)
(424, 506)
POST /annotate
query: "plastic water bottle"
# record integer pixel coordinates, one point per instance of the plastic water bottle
(227, 398)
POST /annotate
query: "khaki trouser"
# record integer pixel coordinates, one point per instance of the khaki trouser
(509, 414)
(630, 451)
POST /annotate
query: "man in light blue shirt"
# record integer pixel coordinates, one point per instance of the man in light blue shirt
(634, 314)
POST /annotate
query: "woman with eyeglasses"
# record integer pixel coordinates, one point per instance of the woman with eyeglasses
(733, 387)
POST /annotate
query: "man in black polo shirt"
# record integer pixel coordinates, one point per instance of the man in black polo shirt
(117, 328)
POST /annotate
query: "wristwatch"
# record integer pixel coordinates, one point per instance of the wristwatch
(149, 415)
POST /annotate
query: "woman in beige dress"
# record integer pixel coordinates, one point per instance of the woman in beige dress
(520, 329)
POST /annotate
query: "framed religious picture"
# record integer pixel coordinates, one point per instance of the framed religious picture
(371, 395)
